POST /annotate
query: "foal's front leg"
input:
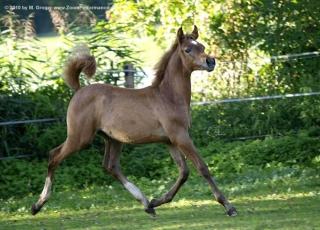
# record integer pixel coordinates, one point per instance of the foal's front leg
(179, 159)
(184, 144)
(111, 163)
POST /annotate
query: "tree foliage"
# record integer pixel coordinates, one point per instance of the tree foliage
(26, 63)
(242, 34)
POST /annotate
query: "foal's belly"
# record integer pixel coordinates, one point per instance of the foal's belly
(137, 136)
(133, 127)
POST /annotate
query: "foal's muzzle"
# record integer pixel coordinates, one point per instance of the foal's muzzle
(211, 63)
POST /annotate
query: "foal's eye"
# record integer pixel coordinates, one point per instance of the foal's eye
(188, 50)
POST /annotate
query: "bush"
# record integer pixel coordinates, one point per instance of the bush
(235, 157)
(272, 117)
(21, 177)
(225, 159)
(150, 161)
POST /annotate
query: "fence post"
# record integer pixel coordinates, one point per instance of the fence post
(129, 75)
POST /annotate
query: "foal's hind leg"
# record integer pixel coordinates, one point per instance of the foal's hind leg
(112, 164)
(183, 176)
(56, 156)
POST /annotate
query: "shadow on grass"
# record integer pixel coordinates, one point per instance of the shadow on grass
(293, 213)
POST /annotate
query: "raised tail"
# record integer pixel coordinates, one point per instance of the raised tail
(79, 61)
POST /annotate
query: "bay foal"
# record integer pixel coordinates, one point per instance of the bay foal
(158, 113)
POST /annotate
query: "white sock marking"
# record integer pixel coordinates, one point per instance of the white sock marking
(135, 191)
(46, 190)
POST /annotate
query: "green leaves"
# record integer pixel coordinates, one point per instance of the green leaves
(241, 34)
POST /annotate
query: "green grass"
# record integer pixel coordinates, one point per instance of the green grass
(290, 204)
(278, 213)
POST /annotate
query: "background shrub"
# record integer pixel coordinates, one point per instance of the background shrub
(226, 160)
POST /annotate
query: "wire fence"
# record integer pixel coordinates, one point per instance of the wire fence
(212, 131)
(201, 103)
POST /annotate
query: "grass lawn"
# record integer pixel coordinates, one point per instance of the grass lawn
(111, 207)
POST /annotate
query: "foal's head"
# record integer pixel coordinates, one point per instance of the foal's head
(192, 52)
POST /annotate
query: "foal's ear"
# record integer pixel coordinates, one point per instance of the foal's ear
(195, 33)
(180, 35)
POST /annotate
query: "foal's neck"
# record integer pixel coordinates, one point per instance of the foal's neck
(176, 85)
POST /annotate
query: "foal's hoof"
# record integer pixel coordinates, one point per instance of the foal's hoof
(151, 211)
(152, 203)
(35, 209)
(232, 212)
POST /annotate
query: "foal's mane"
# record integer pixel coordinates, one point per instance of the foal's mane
(161, 66)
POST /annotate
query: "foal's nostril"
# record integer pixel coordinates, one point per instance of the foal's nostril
(211, 62)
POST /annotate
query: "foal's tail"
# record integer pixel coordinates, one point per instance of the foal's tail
(79, 61)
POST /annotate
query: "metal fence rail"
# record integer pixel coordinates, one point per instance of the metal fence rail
(256, 98)
(9, 123)
(287, 57)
